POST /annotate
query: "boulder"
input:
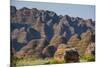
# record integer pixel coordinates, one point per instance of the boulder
(66, 53)
(71, 55)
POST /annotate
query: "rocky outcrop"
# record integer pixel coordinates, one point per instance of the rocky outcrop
(84, 42)
(49, 51)
(51, 21)
(73, 41)
(59, 54)
(90, 50)
(33, 48)
(67, 54)
(13, 11)
(43, 33)
(57, 39)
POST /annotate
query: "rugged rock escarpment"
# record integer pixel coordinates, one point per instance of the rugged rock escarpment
(40, 33)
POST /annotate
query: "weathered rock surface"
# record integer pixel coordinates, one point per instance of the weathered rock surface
(33, 48)
(42, 32)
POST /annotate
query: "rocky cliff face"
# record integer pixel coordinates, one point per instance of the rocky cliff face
(47, 29)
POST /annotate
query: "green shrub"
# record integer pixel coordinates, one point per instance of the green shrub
(88, 58)
(14, 61)
(53, 61)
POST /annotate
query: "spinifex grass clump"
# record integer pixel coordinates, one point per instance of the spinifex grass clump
(88, 58)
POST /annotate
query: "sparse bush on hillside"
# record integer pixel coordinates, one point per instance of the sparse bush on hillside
(54, 61)
(88, 58)
(14, 61)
